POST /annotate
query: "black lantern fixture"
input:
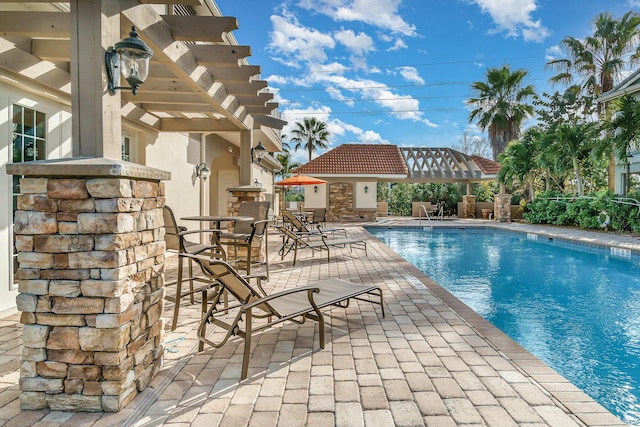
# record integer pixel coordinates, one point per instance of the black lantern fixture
(202, 171)
(258, 152)
(131, 57)
(366, 188)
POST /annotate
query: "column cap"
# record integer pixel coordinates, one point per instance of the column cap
(87, 167)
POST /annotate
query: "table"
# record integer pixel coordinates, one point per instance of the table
(217, 220)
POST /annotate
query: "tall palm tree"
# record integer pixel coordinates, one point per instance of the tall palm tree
(625, 131)
(311, 134)
(501, 105)
(598, 60)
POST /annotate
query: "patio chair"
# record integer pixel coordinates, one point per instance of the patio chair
(175, 240)
(294, 224)
(246, 232)
(319, 216)
(254, 304)
(321, 242)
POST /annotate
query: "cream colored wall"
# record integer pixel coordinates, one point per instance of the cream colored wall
(313, 199)
(365, 199)
(179, 154)
(58, 145)
(223, 160)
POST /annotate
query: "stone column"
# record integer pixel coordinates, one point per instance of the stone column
(90, 241)
(469, 206)
(502, 207)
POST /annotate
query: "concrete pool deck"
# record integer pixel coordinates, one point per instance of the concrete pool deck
(431, 361)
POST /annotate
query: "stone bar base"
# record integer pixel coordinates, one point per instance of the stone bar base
(91, 276)
(502, 207)
(237, 195)
(469, 206)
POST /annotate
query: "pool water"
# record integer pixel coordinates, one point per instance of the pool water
(574, 307)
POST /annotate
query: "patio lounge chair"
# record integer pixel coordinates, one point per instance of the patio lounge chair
(299, 227)
(254, 304)
(175, 237)
(319, 242)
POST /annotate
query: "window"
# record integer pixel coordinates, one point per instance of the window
(126, 147)
(29, 144)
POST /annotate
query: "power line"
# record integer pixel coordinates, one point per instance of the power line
(427, 64)
(326, 113)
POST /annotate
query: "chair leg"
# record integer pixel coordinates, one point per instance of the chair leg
(176, 307)
(249, 248)
(247, 345)
(191, 280)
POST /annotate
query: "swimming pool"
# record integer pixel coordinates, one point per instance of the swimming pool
(575, 307)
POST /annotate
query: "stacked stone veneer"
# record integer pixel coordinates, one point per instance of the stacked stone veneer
(91, 273)
(341, 205)
(469, 206)
(236, 196)
(502, 207)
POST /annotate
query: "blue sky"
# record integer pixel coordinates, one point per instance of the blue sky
(399, 71)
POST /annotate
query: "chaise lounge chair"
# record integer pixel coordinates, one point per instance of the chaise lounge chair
(299, 227)
(319, 242)
(296, 305)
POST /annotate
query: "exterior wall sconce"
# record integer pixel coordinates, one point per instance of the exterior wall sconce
(366, 188)
(315, 188)
(202, 171)
(257, 152)
(131, 57)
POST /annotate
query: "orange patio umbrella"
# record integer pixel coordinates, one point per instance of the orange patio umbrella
(297, 180)
(300, 180)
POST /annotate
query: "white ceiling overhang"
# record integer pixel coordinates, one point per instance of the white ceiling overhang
(199, 78)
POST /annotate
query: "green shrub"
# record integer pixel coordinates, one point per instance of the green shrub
(601, 210)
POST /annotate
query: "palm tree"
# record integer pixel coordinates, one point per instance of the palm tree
(311, 134)
(571, 145)
(287, 164)
(517, 161)
(598, 60)
(624, 131)
(500, 105)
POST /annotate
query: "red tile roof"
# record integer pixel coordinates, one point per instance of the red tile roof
(357, 159)
(488, 167)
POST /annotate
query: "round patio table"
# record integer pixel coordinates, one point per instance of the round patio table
(217, 220)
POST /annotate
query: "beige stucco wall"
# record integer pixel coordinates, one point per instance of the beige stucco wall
(365, 195)
(178, 154)
(58, 146)
(315, 199)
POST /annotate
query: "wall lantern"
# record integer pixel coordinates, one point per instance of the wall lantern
(315, 188)
(131, 57)
(257, 152)
(366, 188)
(202, 171)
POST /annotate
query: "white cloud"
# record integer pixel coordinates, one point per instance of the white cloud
(399, 44)
(554, 52)
(410, 74)
(379, 13)
(290, 38)
(514, 17)
(277, 80)
(359, 44)
(633, 3)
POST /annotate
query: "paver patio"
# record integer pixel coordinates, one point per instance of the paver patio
(430, 361)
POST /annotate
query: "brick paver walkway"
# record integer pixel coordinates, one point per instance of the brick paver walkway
(431, 361)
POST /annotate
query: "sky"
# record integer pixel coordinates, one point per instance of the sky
(399, 71)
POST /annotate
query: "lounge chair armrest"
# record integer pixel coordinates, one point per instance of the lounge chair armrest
(309, 289)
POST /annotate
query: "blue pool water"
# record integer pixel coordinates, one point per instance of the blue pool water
(576, 308)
